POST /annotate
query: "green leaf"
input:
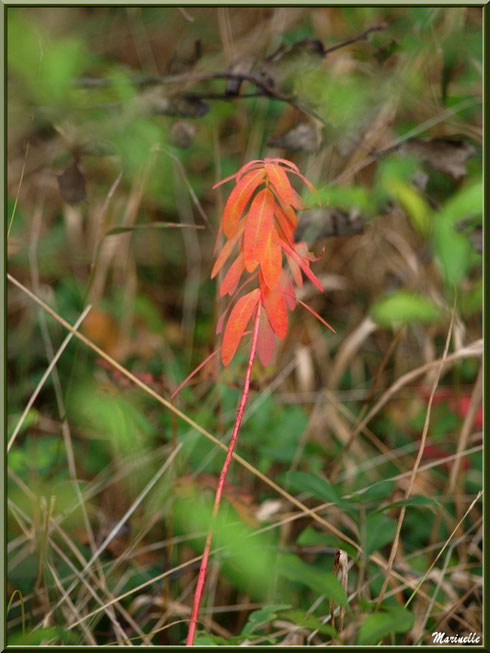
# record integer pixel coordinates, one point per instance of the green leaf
(46, 64)
(380, 530)
(344, 197)
(453, 251)
(414, 205)
(263, 616)
(466, 203)
(37, 637)
(308, 622)
(311, 537)
(404, 307)
(378, 491)
(30, 419)
(293, 568)
(205, 639)
(318, 487)
(395, 620)
(245, 561)
(472, 300)
(419, 500)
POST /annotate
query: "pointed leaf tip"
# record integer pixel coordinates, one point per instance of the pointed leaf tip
(238, 200)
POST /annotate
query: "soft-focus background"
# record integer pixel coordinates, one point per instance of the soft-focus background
(120, 120)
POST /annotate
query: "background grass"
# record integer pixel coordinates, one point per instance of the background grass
(376, 430)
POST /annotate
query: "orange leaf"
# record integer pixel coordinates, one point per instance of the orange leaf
(302, 249)
(256, 163)
(307, 181)
(221, 321)
(265, 340)
(238, 200)
(271, 263)
(287, 222)
(216, 242)
(295, 271)
(280, 182)
(257, 229)
(297, 258)
(237, 323)
(223, 181)
(232, 277)
(288, 288)
(227, 250)
(275, 306)
(284, 161)
(288, 210)
(297, 202)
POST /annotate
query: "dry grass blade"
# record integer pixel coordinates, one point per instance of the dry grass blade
(422, 581)
(87, 632)
(48, 371)
(87, 583)
(466, 430)
(473, 350)
(18, 190)
(416, 465)
(287, 520)
(123, 519)
(180, 414)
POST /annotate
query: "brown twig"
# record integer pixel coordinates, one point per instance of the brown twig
(354, 39)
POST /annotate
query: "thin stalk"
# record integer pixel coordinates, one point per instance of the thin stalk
(222, 477)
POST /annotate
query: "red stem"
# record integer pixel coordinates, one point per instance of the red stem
(222, 477)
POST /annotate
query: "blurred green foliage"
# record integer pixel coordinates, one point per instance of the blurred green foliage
(392, 619)
(404, 307)
(247, 560)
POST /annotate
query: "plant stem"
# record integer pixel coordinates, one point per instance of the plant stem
(222, 477)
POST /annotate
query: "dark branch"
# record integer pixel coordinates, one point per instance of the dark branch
(354, 39)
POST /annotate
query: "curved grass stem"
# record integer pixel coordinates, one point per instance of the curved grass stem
(222, 477)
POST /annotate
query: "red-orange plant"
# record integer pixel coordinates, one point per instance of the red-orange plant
(259, 221)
